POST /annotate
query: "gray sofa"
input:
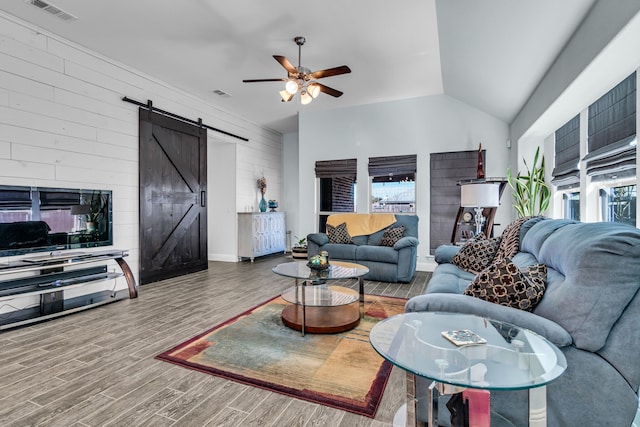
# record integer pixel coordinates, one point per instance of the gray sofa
(386, 264)
(590, 309)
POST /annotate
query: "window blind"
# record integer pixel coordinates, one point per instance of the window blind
(566, 174)
(446, 169)
(392, 165)
(612, 133)
(337, 168)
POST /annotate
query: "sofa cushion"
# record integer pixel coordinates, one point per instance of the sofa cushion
(375, 238)
(340, 251)
(392, 235)
(377, 253)
(503, 283)
(599, 264)
(410, 223)
(338, 234)
(445, 253)
(360, 240)
(449, 279)
(476, 254)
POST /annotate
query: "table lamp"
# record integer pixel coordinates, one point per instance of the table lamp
(479, 196)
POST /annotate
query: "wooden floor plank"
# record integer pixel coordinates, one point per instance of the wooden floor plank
(97, 367)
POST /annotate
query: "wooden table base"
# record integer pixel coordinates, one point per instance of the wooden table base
(322, 320)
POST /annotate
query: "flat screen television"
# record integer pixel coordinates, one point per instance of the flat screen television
(39, 219)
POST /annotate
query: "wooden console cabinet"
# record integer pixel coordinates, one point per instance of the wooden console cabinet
(36, 285)
(261, 233)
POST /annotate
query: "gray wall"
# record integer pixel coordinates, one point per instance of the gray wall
(416, 126)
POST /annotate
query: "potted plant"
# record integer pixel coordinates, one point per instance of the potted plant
(299, 249)
(531, 194)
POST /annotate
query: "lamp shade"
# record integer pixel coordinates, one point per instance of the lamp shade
(305, 98)
(480, 195)
(286, 96)
(313, 89)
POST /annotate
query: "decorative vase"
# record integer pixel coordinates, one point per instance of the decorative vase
(480, 174)
(263, 204)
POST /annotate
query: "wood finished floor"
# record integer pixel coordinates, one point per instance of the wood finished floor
(97, 367)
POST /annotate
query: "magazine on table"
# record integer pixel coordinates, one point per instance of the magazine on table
(463, 337)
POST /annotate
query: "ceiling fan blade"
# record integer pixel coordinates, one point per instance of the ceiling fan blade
(286, 64)
(264, 80)
(328, 90)
(336, 71)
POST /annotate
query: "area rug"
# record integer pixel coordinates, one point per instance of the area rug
(338, 370)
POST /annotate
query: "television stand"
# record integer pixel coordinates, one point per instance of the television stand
(36, 285)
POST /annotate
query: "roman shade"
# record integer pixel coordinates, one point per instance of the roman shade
(446, 171)
(566, 173)
(612, 133)
(392, 168)
(337, 168)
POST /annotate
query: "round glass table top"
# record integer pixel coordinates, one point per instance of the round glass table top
(491, 355)
(337, 270)
(321, 296)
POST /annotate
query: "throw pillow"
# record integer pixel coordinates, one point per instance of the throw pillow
(503, 283)
(476, 254)
(510, 244)
(392, 235)
(338, 234)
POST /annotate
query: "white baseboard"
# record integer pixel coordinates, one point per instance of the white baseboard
(427, 265)
(222, 257)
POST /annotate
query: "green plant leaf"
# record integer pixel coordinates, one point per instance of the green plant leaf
(531, 194)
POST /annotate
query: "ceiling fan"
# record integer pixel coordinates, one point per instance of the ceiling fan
(302, 79)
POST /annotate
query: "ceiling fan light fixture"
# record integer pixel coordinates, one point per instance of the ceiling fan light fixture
(286, 96)
(291, 86)
(314, 90)
(305, 98)
(301, 79)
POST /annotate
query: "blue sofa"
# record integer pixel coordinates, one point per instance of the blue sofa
(385, 263)
(590, 310)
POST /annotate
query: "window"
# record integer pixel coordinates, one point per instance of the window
(566, 173)
(571, 206)
(337, 194)
(393, 184)
(612, 134)
(337, 188)
(446, 171)
(619, 204)
(394, 196)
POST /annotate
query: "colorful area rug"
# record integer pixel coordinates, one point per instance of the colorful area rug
(256, 348)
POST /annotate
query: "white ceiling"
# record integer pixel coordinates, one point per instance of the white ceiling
(490, 54)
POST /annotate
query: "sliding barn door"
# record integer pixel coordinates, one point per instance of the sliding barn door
(173, 184)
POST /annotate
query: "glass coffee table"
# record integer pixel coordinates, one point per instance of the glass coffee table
(509, 358)
(316, 306)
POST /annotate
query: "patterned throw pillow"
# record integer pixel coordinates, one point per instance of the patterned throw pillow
(510, 244)
(392, 235)
(503, 283)
(476, 254)
(338, 234)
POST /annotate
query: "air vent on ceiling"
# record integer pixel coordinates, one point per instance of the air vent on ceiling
(221, 93)
(54, 10)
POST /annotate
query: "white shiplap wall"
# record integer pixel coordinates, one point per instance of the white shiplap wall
(63, 124)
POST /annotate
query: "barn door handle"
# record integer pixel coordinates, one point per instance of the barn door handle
(203, 198)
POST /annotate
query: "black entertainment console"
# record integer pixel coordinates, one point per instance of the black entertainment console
(34, 287)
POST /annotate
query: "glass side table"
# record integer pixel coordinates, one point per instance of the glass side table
(318, 307)
(512, 358)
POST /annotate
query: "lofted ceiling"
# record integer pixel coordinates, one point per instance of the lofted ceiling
(490, 54)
